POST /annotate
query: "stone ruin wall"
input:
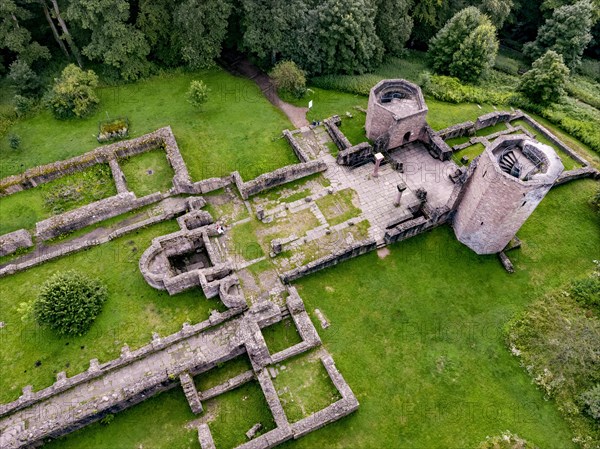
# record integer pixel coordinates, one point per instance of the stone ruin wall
(335, 258)
(46, 173)
(277, 177)
(14, 241)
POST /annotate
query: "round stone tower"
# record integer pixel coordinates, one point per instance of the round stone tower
(396, 112)
(509, 180)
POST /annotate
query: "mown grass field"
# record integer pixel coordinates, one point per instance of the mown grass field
(237, 128)
(132, 312)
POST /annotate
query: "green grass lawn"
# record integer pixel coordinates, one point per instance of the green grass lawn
(471, 152)
(418, 335)
(236, 412)
(281, 335)
(354, 128)
(132, 312)
(338, 207)
(169, 414)
(22, 210)
(148, 172)
(306, 387)
(237, 129)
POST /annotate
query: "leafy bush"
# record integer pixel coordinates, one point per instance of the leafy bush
(197, 94)
(544, 83)
(584, 90)
(23, 105)
(590, 400)
(557, 342)
(14, 141)
(451, 90)
(507, 440)
(25, 80)
(289, 78)
(466, 46)
(73, 94)
(587, 291)
(69, 303)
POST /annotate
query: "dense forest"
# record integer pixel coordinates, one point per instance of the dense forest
(129, 39)
(518, 53)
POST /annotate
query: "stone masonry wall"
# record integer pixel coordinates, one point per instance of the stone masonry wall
(329, 261)
(278, 177)
(14, 241)
(332, 125)
(296, 147)
(46, 173)
(356, 155)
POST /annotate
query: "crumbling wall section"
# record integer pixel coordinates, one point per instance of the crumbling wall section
(278, 177)
(332, 125)
(328, 261)
(14, 241)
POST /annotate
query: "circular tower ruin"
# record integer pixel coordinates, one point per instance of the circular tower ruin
(396, 113)
(508, 181)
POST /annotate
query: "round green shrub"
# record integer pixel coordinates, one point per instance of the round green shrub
(14, 140)
(197, 94)
(289, 78)
(69, 302)
(591, 402)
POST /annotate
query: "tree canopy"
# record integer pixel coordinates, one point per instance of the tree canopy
(465, 46)
(544, 83)
(567, 32)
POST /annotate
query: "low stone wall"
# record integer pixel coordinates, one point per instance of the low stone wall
(356, 155)
(436, 145)
(278, 177)
(92, 213)
(14, 241)
(492, 119)
(578, 173)
(458, 130)
(332, 125)
(552, 138)
(162, 137)
(54, 253)
(329, 261)
(296, 147)
(409, 229)
(96, 370)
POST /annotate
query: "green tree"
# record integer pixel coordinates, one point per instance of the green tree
(201, 27)
(497, 10)
(567, 32)
(113, 41)
(340, 38)
(465, 46)
(14, 36)
(271, 27)
(476, 54)
(197, 94)
(288, 77)
(544, 83)
(394, 24)
(69, 303)
(155, 20)
(25, 80)
(73, 94)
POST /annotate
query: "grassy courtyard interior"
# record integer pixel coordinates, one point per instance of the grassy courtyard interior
(417, 333)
